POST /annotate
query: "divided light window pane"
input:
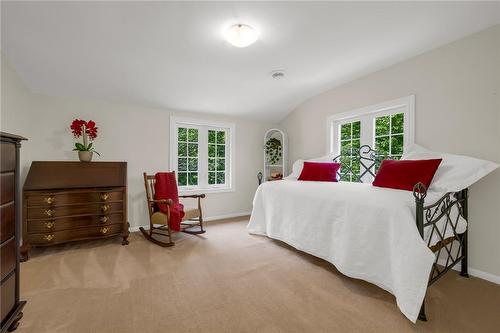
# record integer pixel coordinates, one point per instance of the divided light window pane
(389, 136)
(216, 157)
(187, 156)
(350, 142)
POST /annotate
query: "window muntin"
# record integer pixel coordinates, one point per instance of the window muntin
(201, 155)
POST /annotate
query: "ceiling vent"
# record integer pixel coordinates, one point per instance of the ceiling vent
(277, 74)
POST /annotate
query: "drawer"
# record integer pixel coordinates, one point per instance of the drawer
(38, 226)
(8, 157)
(65, 198)
(67, 211)
(57, 237)
(7, 257)
(7, 221)
(8, 186)
(8, 296)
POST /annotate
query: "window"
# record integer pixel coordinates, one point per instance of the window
(350, 142)
(201, 154)
(216, 157)
(387, 127)
(389, 135)
(187, 156)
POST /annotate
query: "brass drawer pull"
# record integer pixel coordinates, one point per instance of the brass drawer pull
(50, 212)
(104, 196)
(48, 238)
(104, 230)
(49, 200)
(50, 225)
(105, 208)
(103, 219)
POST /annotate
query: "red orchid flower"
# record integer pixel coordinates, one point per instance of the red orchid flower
(76, 127)
(91, 129)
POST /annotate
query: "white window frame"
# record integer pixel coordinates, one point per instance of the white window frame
(202, 125)
(366, 116)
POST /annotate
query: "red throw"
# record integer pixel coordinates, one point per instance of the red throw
(166, 188)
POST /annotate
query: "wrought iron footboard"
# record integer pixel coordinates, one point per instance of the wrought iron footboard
(430, 217)
(361, 164)
(454, 247)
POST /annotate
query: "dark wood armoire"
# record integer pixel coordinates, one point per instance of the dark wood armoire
(10, 231)
(72, 201)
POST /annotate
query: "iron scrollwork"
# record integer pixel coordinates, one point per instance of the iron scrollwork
(356, 163)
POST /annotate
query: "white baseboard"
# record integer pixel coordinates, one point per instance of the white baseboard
(484, 275)
(475, 272)
(226, 216)
(206, 219)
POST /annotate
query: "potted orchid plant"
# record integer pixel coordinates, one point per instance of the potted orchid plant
(88, 131)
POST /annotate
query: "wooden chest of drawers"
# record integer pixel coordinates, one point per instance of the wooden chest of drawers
(10, 232)
(70, 201)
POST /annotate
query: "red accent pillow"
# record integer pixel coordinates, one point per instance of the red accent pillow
(166, 188)
(404, 174)
(319, 172)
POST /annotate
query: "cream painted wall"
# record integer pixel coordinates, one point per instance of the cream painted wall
(457, 90)
(134, 134)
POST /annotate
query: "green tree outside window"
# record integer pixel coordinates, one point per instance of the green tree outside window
(187, 156)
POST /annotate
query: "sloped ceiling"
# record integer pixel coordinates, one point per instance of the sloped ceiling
(173, 55)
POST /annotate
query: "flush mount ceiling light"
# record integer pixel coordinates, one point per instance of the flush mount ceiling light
(241, 35)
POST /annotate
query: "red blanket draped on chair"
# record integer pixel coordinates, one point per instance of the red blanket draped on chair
(166, 188)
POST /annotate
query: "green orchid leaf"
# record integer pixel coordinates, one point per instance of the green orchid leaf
(80, 147)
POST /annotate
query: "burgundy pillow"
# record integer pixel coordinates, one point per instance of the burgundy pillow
(319, 172)
(404, 174)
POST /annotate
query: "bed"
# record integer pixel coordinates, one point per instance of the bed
(400, 241)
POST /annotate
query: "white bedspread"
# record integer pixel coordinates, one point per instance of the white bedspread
(367, 232)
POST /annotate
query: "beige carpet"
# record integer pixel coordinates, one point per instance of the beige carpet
(227, 281)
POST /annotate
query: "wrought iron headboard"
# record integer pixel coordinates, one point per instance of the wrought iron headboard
(357, 163)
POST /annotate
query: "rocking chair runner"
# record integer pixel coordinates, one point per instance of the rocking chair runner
(191, 223)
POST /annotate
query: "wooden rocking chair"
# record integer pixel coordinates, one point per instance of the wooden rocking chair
(192, 222)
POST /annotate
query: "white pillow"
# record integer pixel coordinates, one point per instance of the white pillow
(455, 173)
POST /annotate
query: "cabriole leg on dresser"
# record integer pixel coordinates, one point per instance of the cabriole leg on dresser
(24, 252)
(125, 235)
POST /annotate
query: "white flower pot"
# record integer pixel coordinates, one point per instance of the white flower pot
(85, 156)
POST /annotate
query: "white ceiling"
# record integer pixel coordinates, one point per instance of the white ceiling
(172, 55)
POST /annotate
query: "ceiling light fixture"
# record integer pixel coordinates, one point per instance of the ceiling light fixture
(241, 35)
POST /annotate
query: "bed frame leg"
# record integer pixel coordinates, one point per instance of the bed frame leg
(421, 314)
(464, 269)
